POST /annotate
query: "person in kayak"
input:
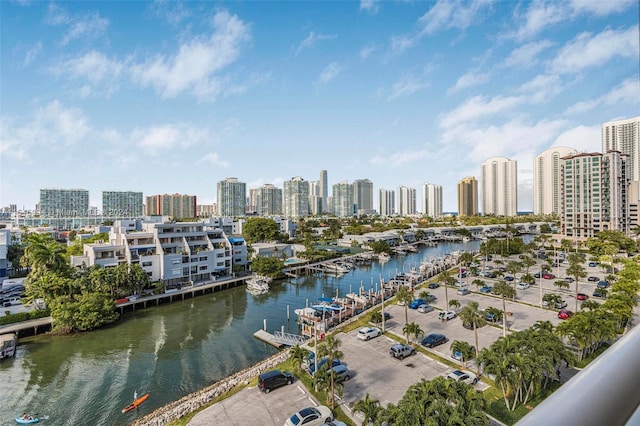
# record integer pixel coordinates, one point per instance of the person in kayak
(26, 416)
(135, 395)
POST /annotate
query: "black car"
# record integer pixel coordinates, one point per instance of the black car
(434, 285)
(274, 379)
(434, 340)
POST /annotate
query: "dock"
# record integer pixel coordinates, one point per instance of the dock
(269, 338)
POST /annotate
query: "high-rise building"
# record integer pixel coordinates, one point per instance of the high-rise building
(269, 200)
(206, 210)
(324, 190)
(468, 197)
(363, 194)
(595, 194)
(64, 202)
(387, 202)
(315, 201)
(624, 136)
(342, 199)
(432, 200)
(499, 187)
(175, 205)
(546, 180)
(232, 197)
(296, 197)
(122, 204)
(406, 201)
(252, 202)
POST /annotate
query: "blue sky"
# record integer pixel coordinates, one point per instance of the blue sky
(165, 97)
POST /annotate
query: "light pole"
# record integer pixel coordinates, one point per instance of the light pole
(382, 309)
(540, 285)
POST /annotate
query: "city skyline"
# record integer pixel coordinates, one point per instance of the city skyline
(163, 98)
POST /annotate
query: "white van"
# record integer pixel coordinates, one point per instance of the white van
(12, 301)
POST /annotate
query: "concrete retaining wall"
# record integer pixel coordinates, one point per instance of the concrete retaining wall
(198, 399)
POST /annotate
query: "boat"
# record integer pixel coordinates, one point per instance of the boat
(135, 403)
(28, 421)
(258, 284)
(8, 345)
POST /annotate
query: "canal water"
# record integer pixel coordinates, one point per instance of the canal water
(168, 351)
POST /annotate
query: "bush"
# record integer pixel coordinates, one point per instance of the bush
(23, 316)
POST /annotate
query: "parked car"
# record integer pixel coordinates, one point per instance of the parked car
(463, 291)
(568, 279)
(341, 373)
(486, 289)
(416, 303)
(582, 296)
(273, 379)
(433, 285)
(322, 364)
(310, 416)
(559, 305)
(491, 317)
(593, 279)
(457, 355)
(564, 314)
(548, 276)
(603, 284)
(537, 275)
(463, 376)
(433, 340)
(446, 315)
(509, 278)
(367, 333)
(593, 264)
(522, 286)
(425, 308)
(598, 293)
(401, 351)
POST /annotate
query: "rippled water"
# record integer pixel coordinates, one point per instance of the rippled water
(168, 351)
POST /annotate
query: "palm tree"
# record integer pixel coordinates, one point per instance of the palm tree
(561, 284)
(505, 291)
(447, 280)
(424, 294)
(404, 295)
(329, 348)
(412, 329)
(369, 407)
(465, 349)
(576, 270)
(297, 355)
(542, 325)
(478, 283)
(454, 304)
(471, 314)
(376, 317)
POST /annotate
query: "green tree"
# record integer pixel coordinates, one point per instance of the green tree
(471, 314)
(258, 229)
(465, 349)
(561, 284)
(447, 280)
(454, 304)
(505, 291)
(330, 348)
(297, 355)
(269, 266)
(576, 270)
(370, 408)
(412, 329)
(405, 296)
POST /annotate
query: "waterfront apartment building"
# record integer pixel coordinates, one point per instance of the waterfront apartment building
(363, 194)
(64, 203)
(252, 202)
(499, 187)
(547, 196)
(176, 206)
(432, 200)
(122, 204)
(296, 198)
(269, 200)
(468, 197)
(386, 202)
(315, 201)
(624, 136)
(232, 197)
(206, 210)
(406, 201)
(595, 194)
(324, 191)
(342, 199)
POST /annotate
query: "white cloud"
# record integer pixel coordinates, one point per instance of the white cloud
(193, 67)
(173, 11)
(601, 8)
(330, 72)
(401, 43)
(588, 50)
(366, 52)
(83, 27)
(409, 84)
(541, 88)
(539, 15)
(213, 158)
(401, 157)
(32, 53)
(470, 79)
(168, 136)
(446, 14)
(478, 107)
(312, 38)
(370, 6)
(625, 93)
(526, 55)
(582, 138)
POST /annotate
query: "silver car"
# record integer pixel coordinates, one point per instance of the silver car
(425, 308)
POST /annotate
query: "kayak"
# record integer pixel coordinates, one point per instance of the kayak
(135, 403)
(27, 421)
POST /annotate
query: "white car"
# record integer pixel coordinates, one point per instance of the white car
(446, 315)
(367, 333)
(425, 308)
(463, 376)
(310, 416)
(522, 286)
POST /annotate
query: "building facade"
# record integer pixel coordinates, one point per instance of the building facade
(315, 201)
(624, 136)
(232, 197)
(499, 187)
(468, 196)
(269, 200)
(595, 194)
(432, 200)
(363, 194)
(547, 197)
(173, 205)
(406, 201)
(64, 203)
(324, 190)
(122, 204)
(386, 202)
(296, 198)
(342, 199)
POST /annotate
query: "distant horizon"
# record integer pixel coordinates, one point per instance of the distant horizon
(172, 97)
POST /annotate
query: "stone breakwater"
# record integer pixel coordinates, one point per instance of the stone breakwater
(196, 400)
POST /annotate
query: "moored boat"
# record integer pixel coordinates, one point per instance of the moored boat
(258, 284)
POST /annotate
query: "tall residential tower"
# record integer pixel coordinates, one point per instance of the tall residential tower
(468, 197)
(232, 197)
(499, 187)
(432, 200)
(547, 195)
(624, 136)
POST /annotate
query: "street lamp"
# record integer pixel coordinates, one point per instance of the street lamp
(540, 285)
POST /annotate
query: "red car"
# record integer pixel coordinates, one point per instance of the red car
(548, 276)
(564, 314)
(582, 296)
